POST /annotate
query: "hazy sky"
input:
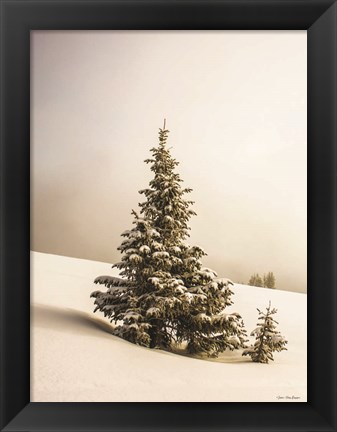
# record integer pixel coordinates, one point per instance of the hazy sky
(235, 103)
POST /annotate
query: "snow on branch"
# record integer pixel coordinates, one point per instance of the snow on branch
(111, 281)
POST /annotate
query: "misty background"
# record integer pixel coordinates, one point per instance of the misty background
(235, 105)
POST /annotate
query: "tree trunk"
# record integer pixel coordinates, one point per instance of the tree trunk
(153, 335)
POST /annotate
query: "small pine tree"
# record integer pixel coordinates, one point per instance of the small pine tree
(268, 339)
(269, 280)
(164, 294)
(255, 280)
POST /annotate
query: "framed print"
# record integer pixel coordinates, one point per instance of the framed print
(219, 311)
(85, 177)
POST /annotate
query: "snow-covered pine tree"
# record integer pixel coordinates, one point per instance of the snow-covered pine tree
(268, 339)
(167, 295)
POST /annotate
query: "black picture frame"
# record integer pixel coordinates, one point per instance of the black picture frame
(18, 18)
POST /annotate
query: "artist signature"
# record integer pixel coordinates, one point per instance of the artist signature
(288, 397)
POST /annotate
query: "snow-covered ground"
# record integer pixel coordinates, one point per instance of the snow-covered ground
(75, 358)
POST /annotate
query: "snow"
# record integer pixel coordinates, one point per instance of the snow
(161, 255)
(135, 258)
(153, 233)
(223, 281)
(203, 317)
(153, 311)
(144, 249)
(176, 249)
(75, 358)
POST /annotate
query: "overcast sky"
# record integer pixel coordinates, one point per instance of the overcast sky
(235, 104)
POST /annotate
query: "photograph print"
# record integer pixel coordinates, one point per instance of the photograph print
(168, 216)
